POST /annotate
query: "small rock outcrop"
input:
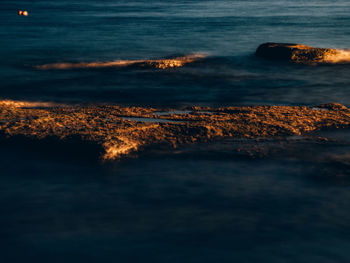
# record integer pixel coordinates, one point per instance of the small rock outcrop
(301, 53)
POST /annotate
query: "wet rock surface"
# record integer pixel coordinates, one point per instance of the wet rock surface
(165, 63)
(303, 54)
(105, 126)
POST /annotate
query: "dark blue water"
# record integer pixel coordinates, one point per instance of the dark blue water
(228, 31)
(202, 204)
(199, 204)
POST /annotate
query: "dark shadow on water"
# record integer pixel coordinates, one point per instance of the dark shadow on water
(177, 207)
(71, 149)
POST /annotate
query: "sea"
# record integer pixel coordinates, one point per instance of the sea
(201, 203)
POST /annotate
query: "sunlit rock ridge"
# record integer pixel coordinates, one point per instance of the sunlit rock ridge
(113, 128)
(164, 63)
(303, 54)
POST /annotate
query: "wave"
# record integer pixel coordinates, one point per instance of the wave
(149, 63)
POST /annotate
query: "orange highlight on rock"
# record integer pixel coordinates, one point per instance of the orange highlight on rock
(116, 137)
(165, 63)
(22, 13)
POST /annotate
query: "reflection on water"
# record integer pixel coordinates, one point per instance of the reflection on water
(204, 203)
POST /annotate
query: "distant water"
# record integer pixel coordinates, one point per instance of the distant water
(204, 203)
(228, 31)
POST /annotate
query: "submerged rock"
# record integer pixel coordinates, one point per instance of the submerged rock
(302, 53)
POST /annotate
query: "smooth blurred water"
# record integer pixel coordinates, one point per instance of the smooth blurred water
(228, 31)
(198, 205)
(207, 204)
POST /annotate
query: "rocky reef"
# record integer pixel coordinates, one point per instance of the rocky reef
(303, 54)
(165, 63)
(120, 131)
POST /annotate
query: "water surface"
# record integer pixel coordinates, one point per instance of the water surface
(204, 204)
(228, 31)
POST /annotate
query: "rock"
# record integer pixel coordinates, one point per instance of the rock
(106, 129)
(296, 53)
(22, 13)
(332, 106)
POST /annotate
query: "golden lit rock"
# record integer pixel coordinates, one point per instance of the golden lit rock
(302, 54)
(148, 63)
(106, 126)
